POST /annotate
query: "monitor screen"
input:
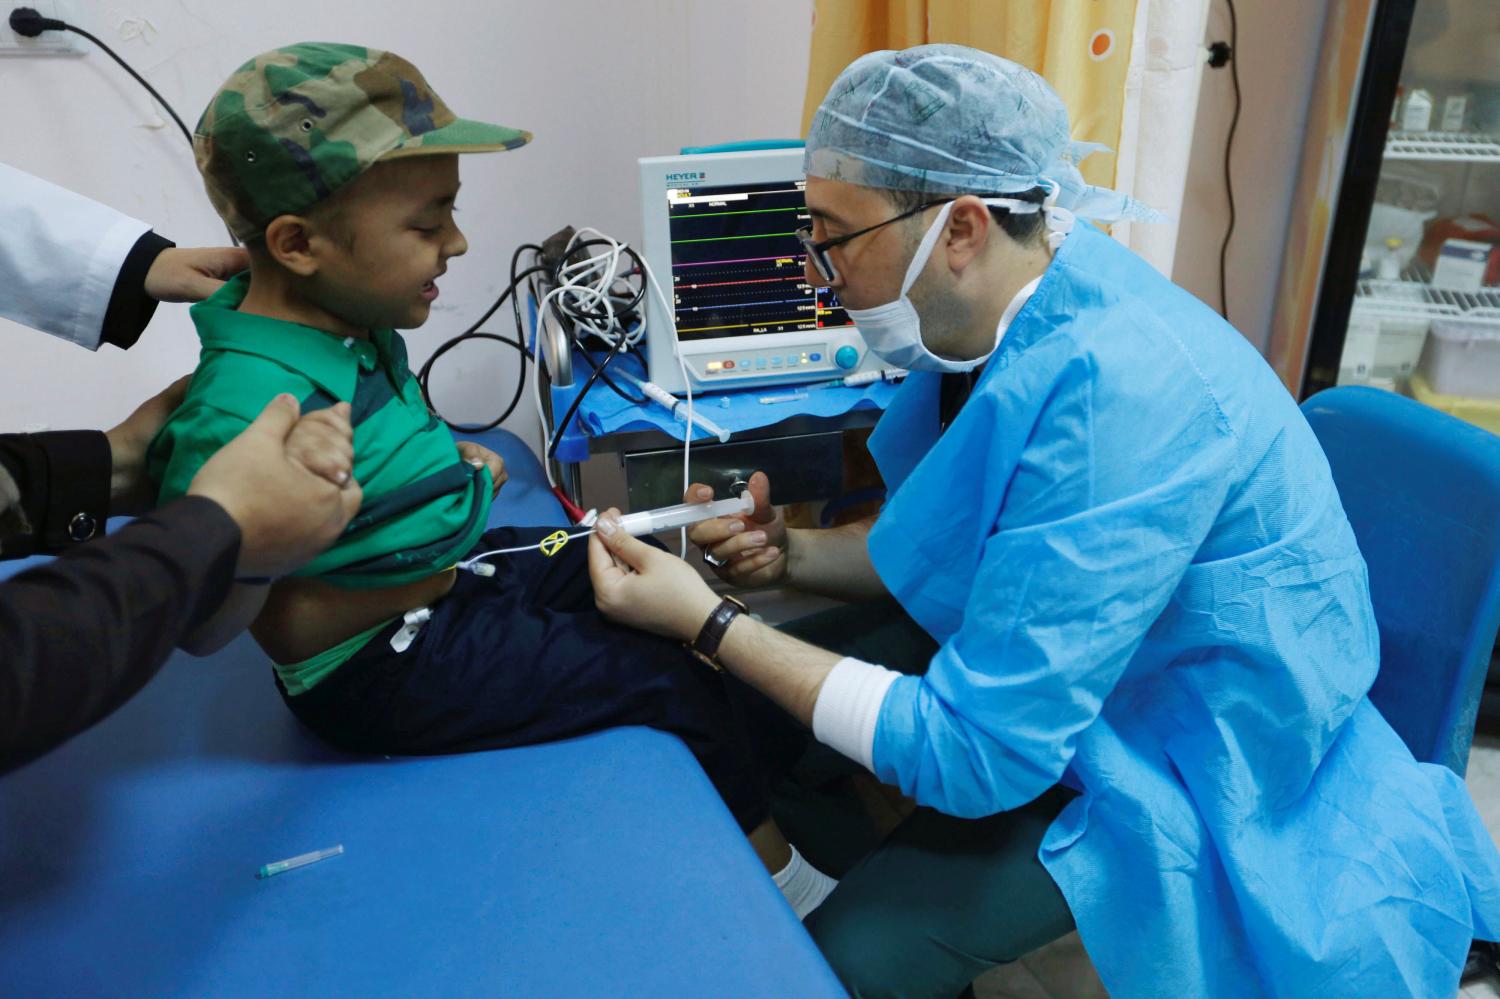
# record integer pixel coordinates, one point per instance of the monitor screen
(735, 310)
(737, 268)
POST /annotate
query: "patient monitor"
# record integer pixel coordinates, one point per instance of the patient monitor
(719, 234)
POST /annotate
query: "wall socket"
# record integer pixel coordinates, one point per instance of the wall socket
(48, 43)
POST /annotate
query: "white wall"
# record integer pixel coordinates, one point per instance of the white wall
(600, 83)
(1278, 59)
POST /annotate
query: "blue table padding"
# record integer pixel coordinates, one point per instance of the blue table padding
(603, 412)
(598, 866)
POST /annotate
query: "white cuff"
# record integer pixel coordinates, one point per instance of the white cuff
(60, 255)
(848, 707)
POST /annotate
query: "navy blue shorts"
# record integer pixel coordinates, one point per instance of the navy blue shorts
(524, 657)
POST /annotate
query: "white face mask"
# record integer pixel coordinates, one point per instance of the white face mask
(894, 330)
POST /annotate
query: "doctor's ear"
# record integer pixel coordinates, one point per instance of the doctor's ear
(970, 228)
(288, 240)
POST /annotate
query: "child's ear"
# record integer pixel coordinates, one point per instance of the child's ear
(289, 243)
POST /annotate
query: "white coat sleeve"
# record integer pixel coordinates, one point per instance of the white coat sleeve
(60, 254)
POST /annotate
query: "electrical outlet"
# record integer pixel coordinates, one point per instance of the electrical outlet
(48, 43)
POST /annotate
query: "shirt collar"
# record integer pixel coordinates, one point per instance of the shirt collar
(1016, 305)
(332, 362)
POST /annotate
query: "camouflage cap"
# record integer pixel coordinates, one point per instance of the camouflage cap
(294, 125)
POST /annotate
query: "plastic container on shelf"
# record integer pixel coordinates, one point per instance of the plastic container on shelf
(1380, 348)
(1400, 347)
(1483, 413)
(1462, 358)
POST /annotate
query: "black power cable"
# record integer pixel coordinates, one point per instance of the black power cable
(28, 22)
(634, 400)
(1233, 58)
(424, 374)
(553, 257)
(557, 433)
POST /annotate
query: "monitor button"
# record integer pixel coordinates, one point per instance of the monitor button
(846, 357)
(760, 363)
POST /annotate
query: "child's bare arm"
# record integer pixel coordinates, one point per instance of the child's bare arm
(243, 604)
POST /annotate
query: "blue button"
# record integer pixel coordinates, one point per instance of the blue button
(776, 361)
(846, 357)
(815, 357)
(792, 359)
(760, 362)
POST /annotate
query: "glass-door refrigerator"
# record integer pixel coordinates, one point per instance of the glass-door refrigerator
(1392, 270)
(1407, 295)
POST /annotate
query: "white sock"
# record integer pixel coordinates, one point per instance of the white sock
(804, 886)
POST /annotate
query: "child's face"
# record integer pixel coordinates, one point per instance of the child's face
(389, 241)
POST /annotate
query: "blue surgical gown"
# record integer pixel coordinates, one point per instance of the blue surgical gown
(1130, 549)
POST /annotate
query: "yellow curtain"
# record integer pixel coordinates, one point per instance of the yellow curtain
(1081, 47)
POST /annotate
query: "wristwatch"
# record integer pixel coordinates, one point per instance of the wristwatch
(706, 646)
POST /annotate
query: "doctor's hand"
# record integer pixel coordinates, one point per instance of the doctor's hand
(130, 491)
(746, 551)
(192, 274)
(287, 512)
(645, 587)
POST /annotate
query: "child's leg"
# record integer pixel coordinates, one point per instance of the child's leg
(523, 658)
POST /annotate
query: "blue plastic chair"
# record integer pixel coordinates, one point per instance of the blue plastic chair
(1422, 490)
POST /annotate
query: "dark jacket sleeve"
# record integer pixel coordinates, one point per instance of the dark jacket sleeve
(80, 635)
(130, 308)
(63, 483)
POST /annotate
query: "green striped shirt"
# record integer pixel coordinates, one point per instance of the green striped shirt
(424, 507)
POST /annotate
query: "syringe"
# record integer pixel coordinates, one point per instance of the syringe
(865, 378)
(301, 860)
(635, 524)
(674, 406)
(667, 517)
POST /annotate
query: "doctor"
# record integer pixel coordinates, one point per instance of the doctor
(1143, 626)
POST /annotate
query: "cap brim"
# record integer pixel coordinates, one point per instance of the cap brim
(462, 136)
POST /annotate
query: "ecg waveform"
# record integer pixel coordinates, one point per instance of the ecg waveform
(737, 268)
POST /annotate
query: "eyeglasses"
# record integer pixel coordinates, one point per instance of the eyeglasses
(817, 252)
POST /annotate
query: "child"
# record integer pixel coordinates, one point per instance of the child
(338, 168)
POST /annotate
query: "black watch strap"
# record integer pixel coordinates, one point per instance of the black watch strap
(706, 645)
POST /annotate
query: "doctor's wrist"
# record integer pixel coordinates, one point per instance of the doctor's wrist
(696, 610)
(794, 556)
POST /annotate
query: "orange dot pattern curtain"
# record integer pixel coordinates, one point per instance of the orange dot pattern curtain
(1082, 48)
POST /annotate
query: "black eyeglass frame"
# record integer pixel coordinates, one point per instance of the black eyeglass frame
(817, 252)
